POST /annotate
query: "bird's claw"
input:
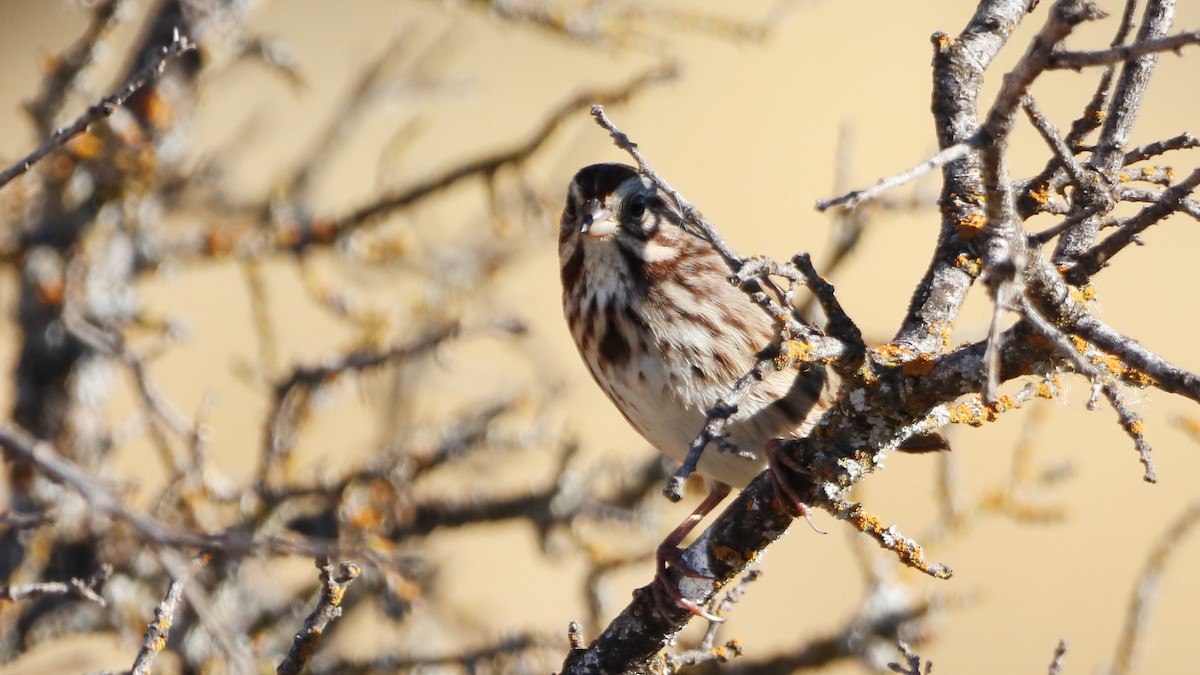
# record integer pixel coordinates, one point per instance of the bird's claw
(665, 584)
(779, 462)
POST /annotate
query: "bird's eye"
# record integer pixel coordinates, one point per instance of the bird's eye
(636, 208)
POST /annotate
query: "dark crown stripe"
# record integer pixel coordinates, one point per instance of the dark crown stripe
(600, 180)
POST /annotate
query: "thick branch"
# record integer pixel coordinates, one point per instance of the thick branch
(1118, 124)
(958, 66)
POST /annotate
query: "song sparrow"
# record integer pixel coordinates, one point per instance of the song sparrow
(665, 335)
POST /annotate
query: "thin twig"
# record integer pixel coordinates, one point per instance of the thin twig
(157, 632)
(1147, 587)
(1184, 141)
(102, 109)
(1096, 257)
(18, 445)
(1130, 422)
(912, 662)
(690, 213)
(1103, 57)
(87, 589)
(329, 608)
(941, 159)
(488, 165)
(1056, 663)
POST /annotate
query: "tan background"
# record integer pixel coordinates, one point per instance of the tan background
(749, 133)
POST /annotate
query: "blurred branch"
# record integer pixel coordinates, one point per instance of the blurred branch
(615, 22)
(485, 166)
(468, 660)
(159, 629)
(87, 589)
(1056, 663)
(912, 662)
(69, 64)
(102, 109)
(292, 393)
(20, 446)
(1136, 615)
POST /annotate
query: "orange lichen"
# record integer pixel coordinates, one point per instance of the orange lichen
(1045, 389)
(1137, 378)
(865, 521)
(1084, 293)
(971, 225)
(50, 293)
(365, 517)
(324, 231)
(1041, 193)
(971, 265)
(790, 352)
(943, 330)
(909, 552)
(218, 242)
(892, 353)
(975, 414)
(161, 641)
(729, 556)
(85, 146)
(1110, 363)
(1081, 345)
(153, 108)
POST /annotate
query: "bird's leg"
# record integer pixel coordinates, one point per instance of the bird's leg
(669, 555)
(778, 463)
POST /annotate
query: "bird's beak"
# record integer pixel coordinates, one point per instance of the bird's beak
(597, 220)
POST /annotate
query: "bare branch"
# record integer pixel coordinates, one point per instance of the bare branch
(488, 165)
(1123, 107)
(87, 589)
(1130, 422)
(912, 662)
(102, 109)
(855, 197)
(159, 629)
(329, 608)
(1079, 60)
(690, 213)
(1147, 587)
(1184, 141)
(1056, 663)
(1096, 257)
